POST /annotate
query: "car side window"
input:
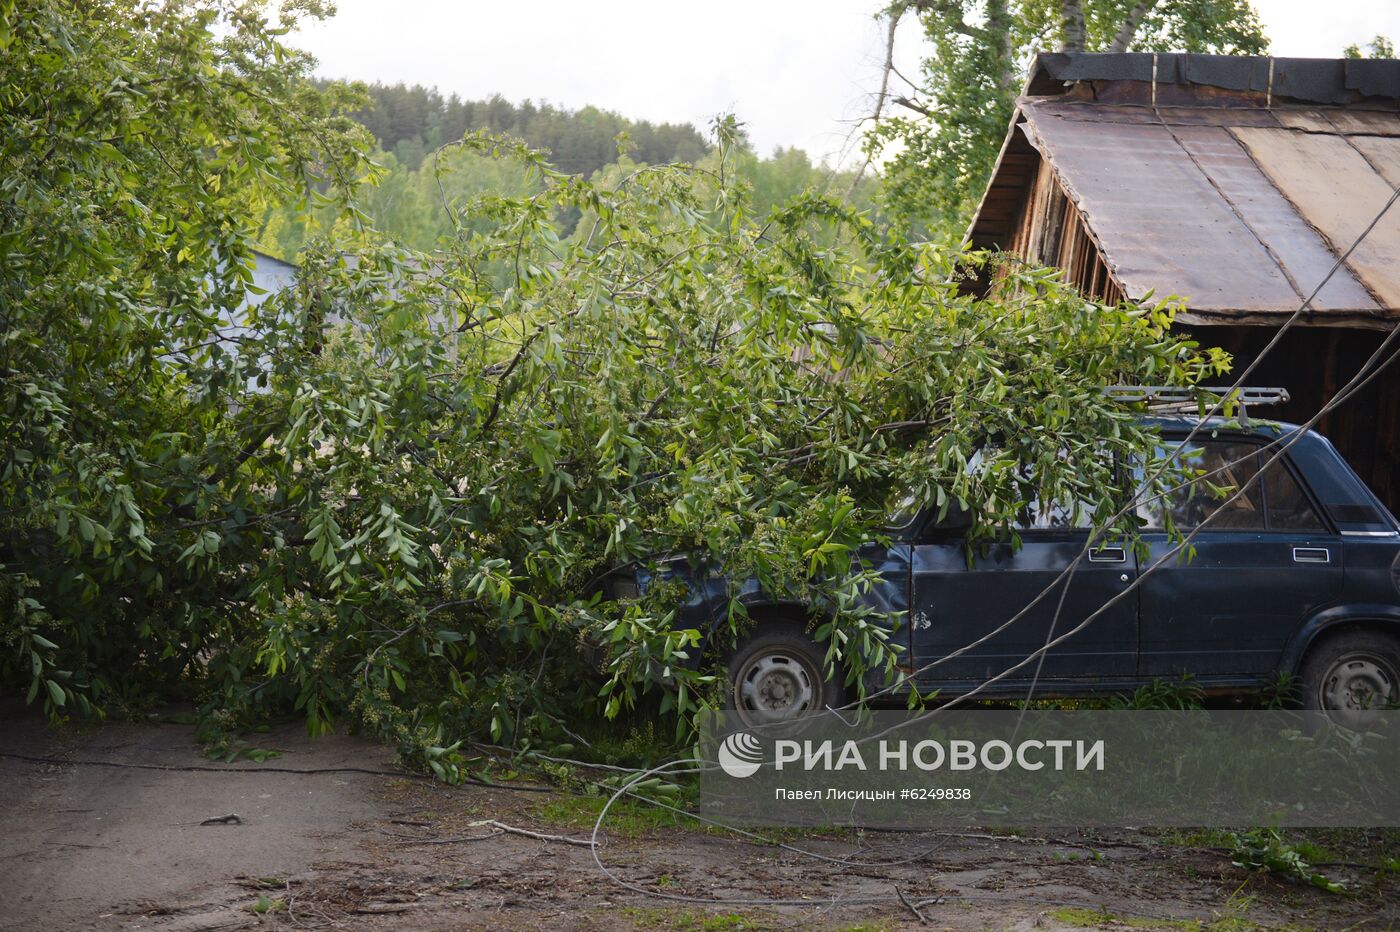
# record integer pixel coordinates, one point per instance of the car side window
(1041, 516)
(1221, 469)
(1289, 508)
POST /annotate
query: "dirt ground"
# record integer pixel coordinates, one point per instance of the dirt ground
(102, 830)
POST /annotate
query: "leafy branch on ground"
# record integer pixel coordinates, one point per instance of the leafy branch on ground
(387, 496)
(1264, 849)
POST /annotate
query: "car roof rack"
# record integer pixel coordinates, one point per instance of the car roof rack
(1184, 400)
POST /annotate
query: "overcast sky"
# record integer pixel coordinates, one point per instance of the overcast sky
(798, 72)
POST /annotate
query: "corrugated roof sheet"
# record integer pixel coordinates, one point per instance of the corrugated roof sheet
(1241, 211)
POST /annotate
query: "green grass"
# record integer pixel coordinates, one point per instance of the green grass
(1196, 838)
(694, 920)
(630, 818)
(1097, 919)
(627, 818)
(1233, 916)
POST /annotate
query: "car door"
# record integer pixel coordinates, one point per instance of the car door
(1261, 565)
(954, 604)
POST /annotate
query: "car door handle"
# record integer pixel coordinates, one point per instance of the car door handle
(1311, 555)
(1108, 555)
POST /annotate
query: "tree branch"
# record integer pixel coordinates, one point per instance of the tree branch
(913, 105)
(883, 95)
(952, 17)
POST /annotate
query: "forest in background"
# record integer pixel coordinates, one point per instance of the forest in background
(934, 137)
(412, 123)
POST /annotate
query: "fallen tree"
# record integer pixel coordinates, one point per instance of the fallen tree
(389, 492)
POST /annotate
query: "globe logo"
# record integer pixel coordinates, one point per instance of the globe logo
(740, 754)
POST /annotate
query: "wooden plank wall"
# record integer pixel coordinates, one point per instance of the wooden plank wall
(1050, 230)
(1313, 363)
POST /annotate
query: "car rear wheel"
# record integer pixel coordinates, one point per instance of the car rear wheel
(777, 675)
(1351, 676)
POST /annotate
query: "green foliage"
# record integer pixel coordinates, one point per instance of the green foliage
(947, 133)
(1379, 47)
(1160, 695)
(389, 493)
(1264, 849)
(403, 204)
(265, 905)
(137, 147)
(406, 202)
(1281, 692)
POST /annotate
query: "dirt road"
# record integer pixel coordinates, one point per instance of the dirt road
(110, 837)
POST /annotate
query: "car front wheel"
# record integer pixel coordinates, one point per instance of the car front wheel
(1351, 676)
(777, 675)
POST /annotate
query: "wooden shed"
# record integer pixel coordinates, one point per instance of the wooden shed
(1236, 184)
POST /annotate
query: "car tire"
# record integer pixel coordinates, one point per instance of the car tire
(1351, 675)
(776, 675)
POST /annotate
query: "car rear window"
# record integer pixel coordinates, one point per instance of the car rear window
(1275, 501)
(1221, 468)
(1289, 508)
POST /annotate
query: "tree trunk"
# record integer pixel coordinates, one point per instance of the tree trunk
(997, 32)
(1072, 25)
(1127, 30)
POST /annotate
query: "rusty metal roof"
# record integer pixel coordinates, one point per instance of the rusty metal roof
(1238, 200)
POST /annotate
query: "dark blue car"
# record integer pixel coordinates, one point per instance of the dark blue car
(1299, 575)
